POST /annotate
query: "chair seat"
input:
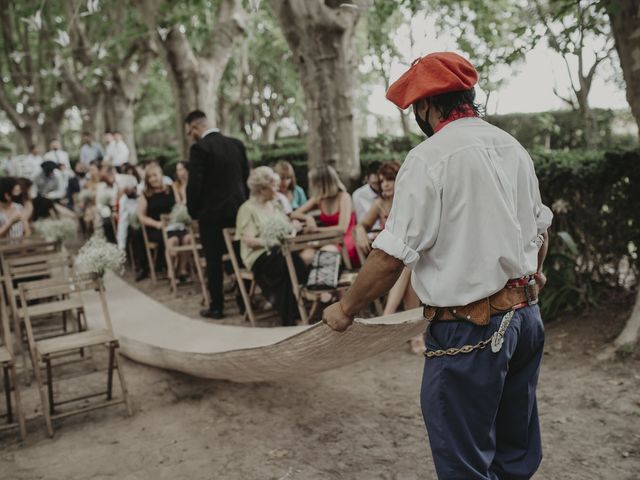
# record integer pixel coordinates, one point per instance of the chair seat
(5, 356)
(74, 341)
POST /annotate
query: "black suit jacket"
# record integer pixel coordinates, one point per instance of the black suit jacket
(218, 172)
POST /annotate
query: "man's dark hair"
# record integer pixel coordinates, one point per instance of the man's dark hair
(32, 147)
(7, 184)
(455, 102)
(372, 168)
(86, 134)
(193, 116)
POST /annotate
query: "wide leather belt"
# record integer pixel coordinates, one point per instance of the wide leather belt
(479, 312)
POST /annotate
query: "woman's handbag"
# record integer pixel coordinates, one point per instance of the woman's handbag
(325, 271)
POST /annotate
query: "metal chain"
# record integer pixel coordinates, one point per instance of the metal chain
(495, 340)
(456, 351)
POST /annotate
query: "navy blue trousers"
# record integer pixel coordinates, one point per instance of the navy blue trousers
(480, 407)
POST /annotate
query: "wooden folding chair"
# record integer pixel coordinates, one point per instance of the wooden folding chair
(171, 253)
(316, 241)
(42, 351)
(242, 274)
(13, 419)
(151, 251)
(37, 267)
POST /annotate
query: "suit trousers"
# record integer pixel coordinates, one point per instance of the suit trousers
(214, 248)
(480, 408)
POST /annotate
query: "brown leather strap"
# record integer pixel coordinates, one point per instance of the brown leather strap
(479, 312)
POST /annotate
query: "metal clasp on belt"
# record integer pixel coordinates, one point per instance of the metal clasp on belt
(530, 291)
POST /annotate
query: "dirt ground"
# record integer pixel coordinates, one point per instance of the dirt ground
(359, 422)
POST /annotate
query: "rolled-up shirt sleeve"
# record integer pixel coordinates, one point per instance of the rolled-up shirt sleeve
(413, 223)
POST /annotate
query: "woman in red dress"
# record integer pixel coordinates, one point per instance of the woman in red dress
(336, 209)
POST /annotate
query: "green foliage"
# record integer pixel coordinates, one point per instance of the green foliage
(561, 129)
(595, 199)
(565, 288)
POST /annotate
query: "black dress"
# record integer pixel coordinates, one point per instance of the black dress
(159, 203)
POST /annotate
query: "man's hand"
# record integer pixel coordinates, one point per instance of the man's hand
(335, 317)
(541, 280)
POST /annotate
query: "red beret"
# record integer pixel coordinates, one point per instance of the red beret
(430, 75)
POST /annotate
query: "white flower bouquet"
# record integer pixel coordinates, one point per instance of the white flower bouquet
(134, 220)
(179, 217)
(86, 196)
(97, 256)
(105, 202)
(276, 229)
(57, 230)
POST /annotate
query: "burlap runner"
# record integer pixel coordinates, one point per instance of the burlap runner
(151, 333)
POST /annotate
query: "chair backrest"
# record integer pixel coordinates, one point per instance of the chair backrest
(318, 240)
(69, 288)
(228, 234)
(43, 264)
(315, 240)
(26, 247)
(5, 332)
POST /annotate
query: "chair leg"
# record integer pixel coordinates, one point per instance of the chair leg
(7, 392)
(302, 310)
(203, 285)
(170, 270)
(110, 372)
(43, 398)
(151, 260)
(64, 322)
(123, 385)
(16, 394)
(52, 408)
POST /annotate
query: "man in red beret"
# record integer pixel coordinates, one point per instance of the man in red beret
(467, 218)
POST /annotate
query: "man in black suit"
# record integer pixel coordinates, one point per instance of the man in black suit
(218, 172)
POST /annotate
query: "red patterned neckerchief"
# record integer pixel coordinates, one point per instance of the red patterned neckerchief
(455, 115)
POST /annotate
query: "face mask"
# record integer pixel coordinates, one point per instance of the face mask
(424, 125)
(132, 194)
(16, 198)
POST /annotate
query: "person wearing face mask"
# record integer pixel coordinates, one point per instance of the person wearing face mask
(13, 222)
(468, 220)
(218, 172)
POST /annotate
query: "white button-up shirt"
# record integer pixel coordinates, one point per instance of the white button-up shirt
(466, 214)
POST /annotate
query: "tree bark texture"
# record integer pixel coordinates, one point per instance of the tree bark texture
(625, 25)
(195, 76)
(321, 35)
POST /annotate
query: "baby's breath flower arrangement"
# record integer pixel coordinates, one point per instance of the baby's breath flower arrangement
(105, 202)
(179, 216)
(97, 256)
(57, 230)
(276, 229)
(134, 220)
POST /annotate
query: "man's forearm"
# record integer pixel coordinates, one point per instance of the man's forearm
(379, 273)
(542, 253)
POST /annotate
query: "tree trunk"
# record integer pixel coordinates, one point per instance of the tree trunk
(195, 77)
(321, 35)
(625, 25)
(122, 117)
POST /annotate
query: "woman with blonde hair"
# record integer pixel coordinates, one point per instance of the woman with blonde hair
(159, 199)
(336, 208)
(255, 218)
(288, 185)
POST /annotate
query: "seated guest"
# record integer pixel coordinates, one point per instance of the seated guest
(288, 186)
(13, 221)
(180, 182)
(40, 207)
(267, 264)
(158, 199)
(50, 182)
(381, 206)
(364, 196)
(336, 209)
(127, 206)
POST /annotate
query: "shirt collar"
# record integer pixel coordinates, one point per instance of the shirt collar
(455, 115)
(211, 130)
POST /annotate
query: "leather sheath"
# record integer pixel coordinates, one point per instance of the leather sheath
(479, 312)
